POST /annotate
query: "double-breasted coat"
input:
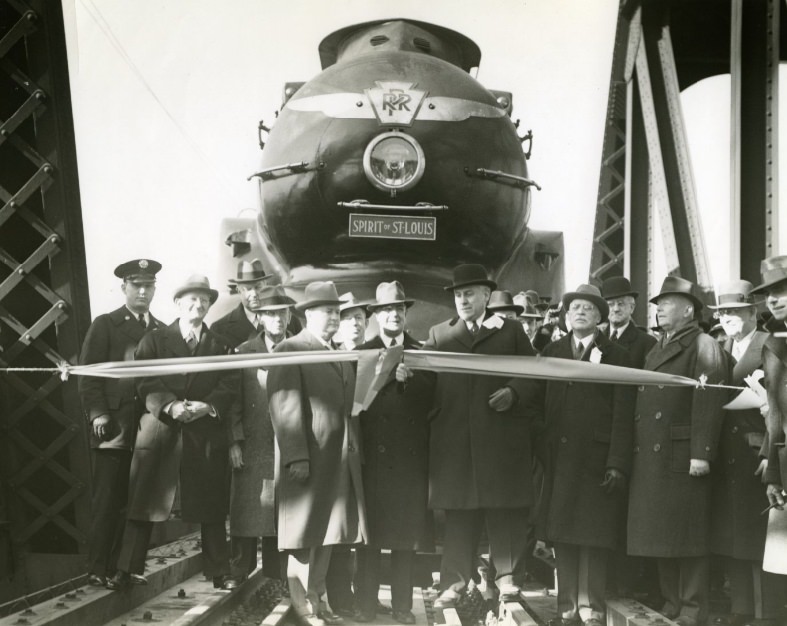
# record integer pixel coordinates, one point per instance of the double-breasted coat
(774, 355)
(395, 437)
(479, 458)
(112, 337)
(195, 452)
(637, 342)
(737, 528)
(588, 428)
(252, 499)
(310, 409)
(669, 510)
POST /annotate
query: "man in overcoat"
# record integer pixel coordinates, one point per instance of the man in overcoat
(182, 437)
(480, 469)
(112, 410)
(738, 528)
(676, 432)
(587, 442)
(319, 491)
(243, 322)
(622, 300)
(252, 452)
(395, 435)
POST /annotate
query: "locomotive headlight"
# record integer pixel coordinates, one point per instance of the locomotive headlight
(393, 162)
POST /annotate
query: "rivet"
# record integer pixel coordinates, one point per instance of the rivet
(359, 104)
(431, 105)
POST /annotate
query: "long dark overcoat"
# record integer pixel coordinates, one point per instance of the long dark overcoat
(112, 337)
(637, 342)
(234, 327)
(589, 428)
(395, 435)
(478, 457)
(252, 499)
(774, 355)
(737, 528)
(669, 510)
(167, 450)
(310, 408)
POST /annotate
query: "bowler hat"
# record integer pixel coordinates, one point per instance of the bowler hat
(617, 287)
(349, 301)
(196, 282)
(773, 270)
(502, 301)
(319, 293)
(675, 285)
(590, 293)
(139, 270)
(273, 299)
(470, 274)
(249, 272)
(388, 294)
(734, 294)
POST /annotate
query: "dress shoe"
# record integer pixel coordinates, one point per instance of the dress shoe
(120, 580)
(593, 621)
(363, 617)
(231, 582)
(685, 620)
(403, 617)
(446, 600)
(330, 618)
(308, 619)
(95, 580)
(346, 612)
(218, 582)
(383, 609)
(138, 579)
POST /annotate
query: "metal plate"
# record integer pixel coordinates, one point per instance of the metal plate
(392, 227)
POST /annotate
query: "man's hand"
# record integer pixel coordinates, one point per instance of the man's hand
(502, 399)
(198, 409)
(403, 373)
(764, 410)
(101, 426)
(613, 480)
(299, 470)
(180, 412)
(698, 467)
(775, 495)
(761, 467)
(236, 456)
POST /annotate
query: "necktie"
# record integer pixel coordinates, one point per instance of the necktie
(191, 342)
(258, 322)
(142, 322)
(579, 350)
(474, 329)
(614, 335)
(393, 343)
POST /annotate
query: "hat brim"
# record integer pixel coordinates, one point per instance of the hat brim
(613, 296)
(213, 295)
(310, 304)
(761, 289)
(601, 303)
(698, 304)
(246, 281)
(507, 307)
(346, 306)
(487, 283)
(531, 316)
(373, 306)
(732, 305)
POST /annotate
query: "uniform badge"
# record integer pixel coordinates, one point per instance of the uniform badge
(395, 102)
(143, 264)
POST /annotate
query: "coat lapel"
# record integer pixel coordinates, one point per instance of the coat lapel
(127, 324)
(174, 340)
(664, 352)
(485, 331)
(751, 359)
(457, 331)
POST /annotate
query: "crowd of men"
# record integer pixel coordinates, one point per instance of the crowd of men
(618, 479)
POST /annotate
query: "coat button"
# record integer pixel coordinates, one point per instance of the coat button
(641, 388)
(563, 440)
(381, 448)
(658, 415)
(351, 448)
(657, 447)
(707, 448)
(734, 429)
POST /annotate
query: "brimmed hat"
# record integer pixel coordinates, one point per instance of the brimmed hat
(139, 270)
(674, 285)
(390, 293)
(733, 295)
(196, 282)
(470, 274)
(318, 293)
(590, 293)
(532, 313)
(249, 272)
(773, 270)
(349, 301)
(503, 301)
(273, 299)
(617, 287)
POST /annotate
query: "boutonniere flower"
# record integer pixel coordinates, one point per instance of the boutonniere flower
(595, 355)
(493, 322)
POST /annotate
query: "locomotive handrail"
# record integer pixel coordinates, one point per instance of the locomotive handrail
(418, 206)
(303, 166)
(493, 174)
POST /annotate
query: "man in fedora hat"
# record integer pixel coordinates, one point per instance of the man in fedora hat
(622, 300)
(395, 436)
(586, 449)
(252, 452)
(182, 439)
(737, 528)
(676, 432)
(320, 496)
(532, 320)
(479, 443)
(243, 322)
(502, 303)
(352, 321)
(111, 408)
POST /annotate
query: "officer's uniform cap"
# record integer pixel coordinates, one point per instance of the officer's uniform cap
(138, 270)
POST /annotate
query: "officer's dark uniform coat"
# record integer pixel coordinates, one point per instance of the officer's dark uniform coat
(669, 510)
(637, 342)
(395, 437)
(167, 450)
(588, 429)
(476, 453)
(112, 337)
(738, 529)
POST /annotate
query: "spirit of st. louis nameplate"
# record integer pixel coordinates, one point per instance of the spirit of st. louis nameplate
(392, 226)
